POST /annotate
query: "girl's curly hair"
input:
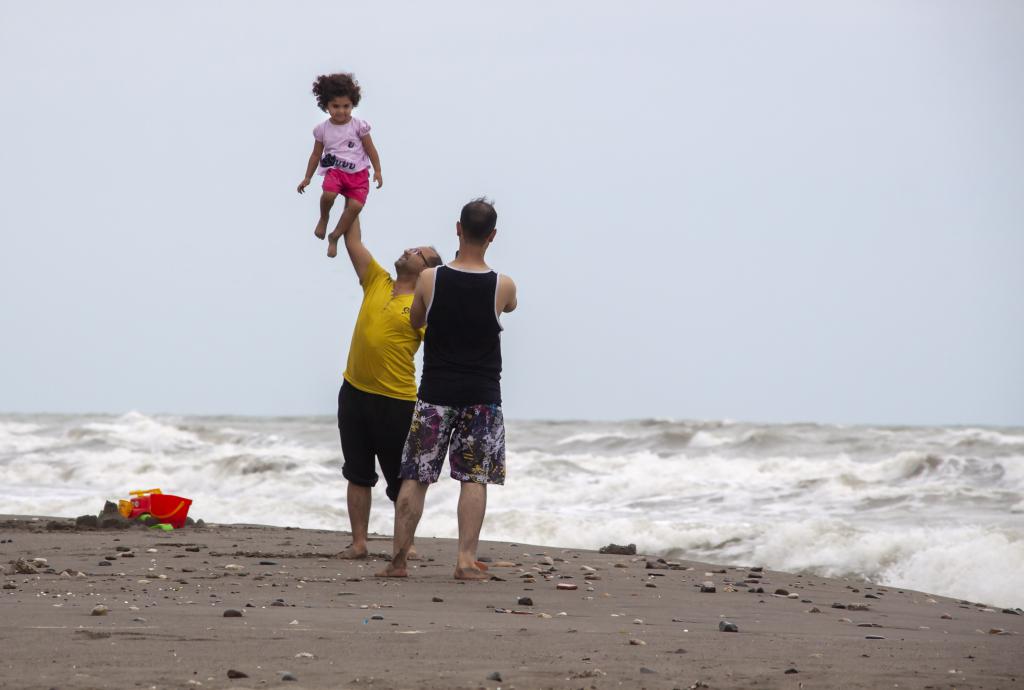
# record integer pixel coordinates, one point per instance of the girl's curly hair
(330, 86)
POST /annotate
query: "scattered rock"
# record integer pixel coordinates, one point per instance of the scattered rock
(101, 563)
(758, 569)
(791, 670)
(377, 618)
(1013, 612)
(495, 676)
(566, 586)
(946, 617)
(637, 643)
(628, 550)
(305, 655)
(232, 613)
(100, 610)
(23, 567)
(524, 601)
(814, 609)
(858, 607)
(437, 600)
(268, 562)
(873, 637)
(232, 673)
(656, 565)
(782, 592)
(644, 669)
(87, 521)
(837, 605)
(10, 585)
(727, 626)
(192, 549)
(708, 587)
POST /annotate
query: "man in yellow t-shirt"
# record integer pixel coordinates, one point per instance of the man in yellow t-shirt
(377, 397)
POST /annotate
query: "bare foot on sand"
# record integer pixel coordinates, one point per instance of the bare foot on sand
(470, 574)
(321, 229)
(480, 565)
(352, 553)
(392, 571)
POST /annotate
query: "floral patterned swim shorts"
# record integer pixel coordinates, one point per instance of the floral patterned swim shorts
(475, 434)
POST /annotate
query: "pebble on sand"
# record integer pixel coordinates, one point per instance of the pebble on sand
(100, 610)
(708, 587)
(232, 673)
(524, 601)
(566, 586)
(287, 675)
(437, 600)
(495, 676)
(727, 626)
(232, 613)
(637, 643)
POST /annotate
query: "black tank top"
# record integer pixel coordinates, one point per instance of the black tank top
(462, 347)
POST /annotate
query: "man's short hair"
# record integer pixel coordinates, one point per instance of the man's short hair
(435, 259)
(478, 219)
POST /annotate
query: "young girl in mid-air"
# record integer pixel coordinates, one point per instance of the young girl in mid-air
(343, 150)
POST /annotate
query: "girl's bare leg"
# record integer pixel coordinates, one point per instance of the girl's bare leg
(326, 202)
(352, 209)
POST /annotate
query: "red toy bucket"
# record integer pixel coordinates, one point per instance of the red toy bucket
(170, 509)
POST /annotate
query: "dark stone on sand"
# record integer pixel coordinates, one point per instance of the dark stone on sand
(651, 584)
(110, 508)
(232, 673)
(278, 602)
(10, 585)
(201, 524)
(525, 601)
(782, 592)
(288, 676)
(708, 587)
(791, 670)
(87, 521)
(873, 637)
(268, 562)
(250, 606)
(727, 626)
(759, 590)
(870, 596)
(1012, 612)
(111, 522)
(122, 549)
(495, 676)
(232, 613)
(104, 563)
(437, 600)
(56, 525)
(644, 669)
(656, 565)
(837, 605)
(193, 549)
(619, 550)
(377, 618)
(758, 569)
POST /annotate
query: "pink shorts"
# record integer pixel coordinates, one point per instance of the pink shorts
(352, 185)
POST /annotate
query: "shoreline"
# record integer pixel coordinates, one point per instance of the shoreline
(631, 621)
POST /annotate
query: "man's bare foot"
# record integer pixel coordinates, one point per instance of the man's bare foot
(480, 565)
(470, 574)
(332, 247)
(321, 229)
(391, 570)
(352, 553)
(412, 555)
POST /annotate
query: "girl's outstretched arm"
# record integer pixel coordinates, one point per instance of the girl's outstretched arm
(314, 159)
(371, 151)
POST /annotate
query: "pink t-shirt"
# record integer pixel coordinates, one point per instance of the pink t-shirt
(343, 148)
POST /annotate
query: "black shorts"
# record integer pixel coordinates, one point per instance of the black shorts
(372, 426)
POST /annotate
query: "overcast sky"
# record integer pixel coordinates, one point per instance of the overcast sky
(761, 211)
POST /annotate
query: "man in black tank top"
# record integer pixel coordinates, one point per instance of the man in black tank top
(458, 408)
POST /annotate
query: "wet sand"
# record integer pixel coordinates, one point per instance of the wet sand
(630, 622)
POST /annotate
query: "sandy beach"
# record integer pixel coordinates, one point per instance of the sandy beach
(103, 608)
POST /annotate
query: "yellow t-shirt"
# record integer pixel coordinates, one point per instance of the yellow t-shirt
(380, 359)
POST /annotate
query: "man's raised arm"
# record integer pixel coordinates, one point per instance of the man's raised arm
(357, 251)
